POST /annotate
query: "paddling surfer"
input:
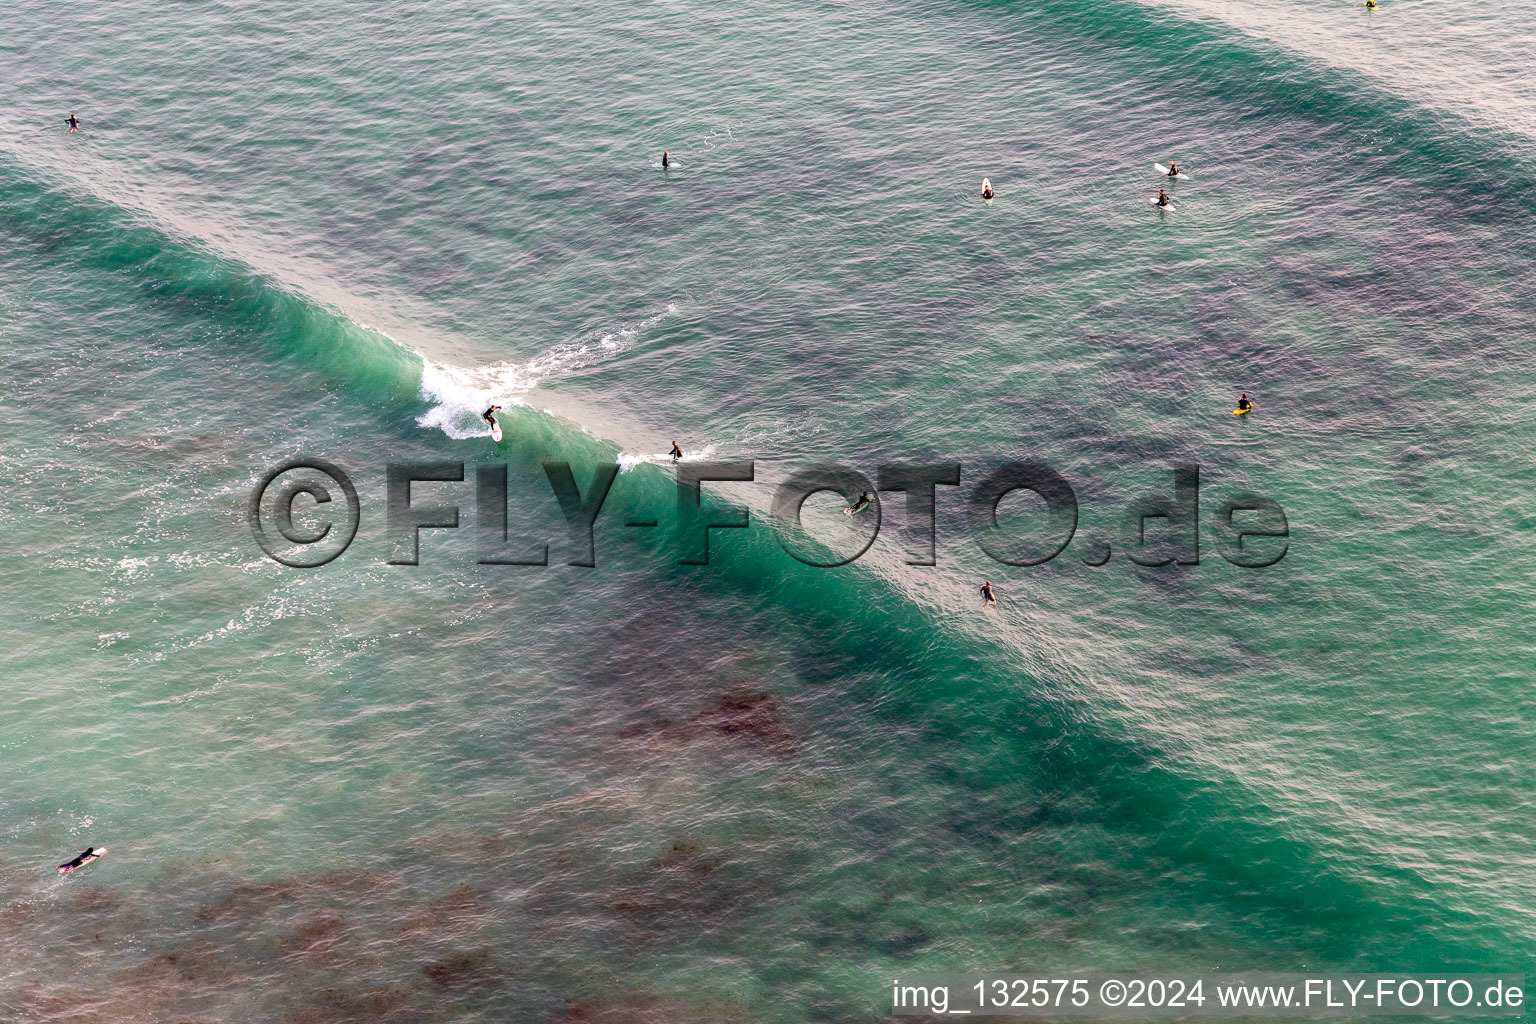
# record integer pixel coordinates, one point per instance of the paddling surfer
(91, 853)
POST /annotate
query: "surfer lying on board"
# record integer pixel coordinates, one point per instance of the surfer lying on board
(986, 188)
(858, 506)
(1162, 198)
(91, 853)
(676, 453)
(73, 122)
(488, 417)
(1243, 405)
(1173, 169)
(987, 597)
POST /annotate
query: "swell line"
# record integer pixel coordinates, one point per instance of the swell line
(1081, 770)
(1488, 174)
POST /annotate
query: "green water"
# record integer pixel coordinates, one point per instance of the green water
(752, 790)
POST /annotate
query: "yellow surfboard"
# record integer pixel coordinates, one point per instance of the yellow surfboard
(1239, 412)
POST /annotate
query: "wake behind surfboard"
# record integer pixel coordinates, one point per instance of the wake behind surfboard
(629, 460)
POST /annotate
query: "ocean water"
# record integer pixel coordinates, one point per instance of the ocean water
(750, 791)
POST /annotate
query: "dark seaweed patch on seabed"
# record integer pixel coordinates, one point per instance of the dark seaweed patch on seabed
(291, 935)
(688, 887)
(748, 716)
(342, 1006)
(253, 899)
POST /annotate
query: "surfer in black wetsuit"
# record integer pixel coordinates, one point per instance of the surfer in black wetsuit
(488, 417)
(1173, 169)
(666, 160)
(987, 597)
(986, 189)
(676, 453)
(1243, 405)
(73, 122)
(91, 853)
(859, 505)
(1162, 198)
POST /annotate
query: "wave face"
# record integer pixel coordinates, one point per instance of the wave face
(751, 790)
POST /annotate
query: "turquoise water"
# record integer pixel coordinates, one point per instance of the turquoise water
(751, 791)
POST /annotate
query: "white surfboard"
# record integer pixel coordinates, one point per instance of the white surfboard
(90, 856)
(1164, 172)
(1153, 201)
(495, 430)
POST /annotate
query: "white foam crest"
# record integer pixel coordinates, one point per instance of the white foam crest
(629, 460)
(460, 394)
